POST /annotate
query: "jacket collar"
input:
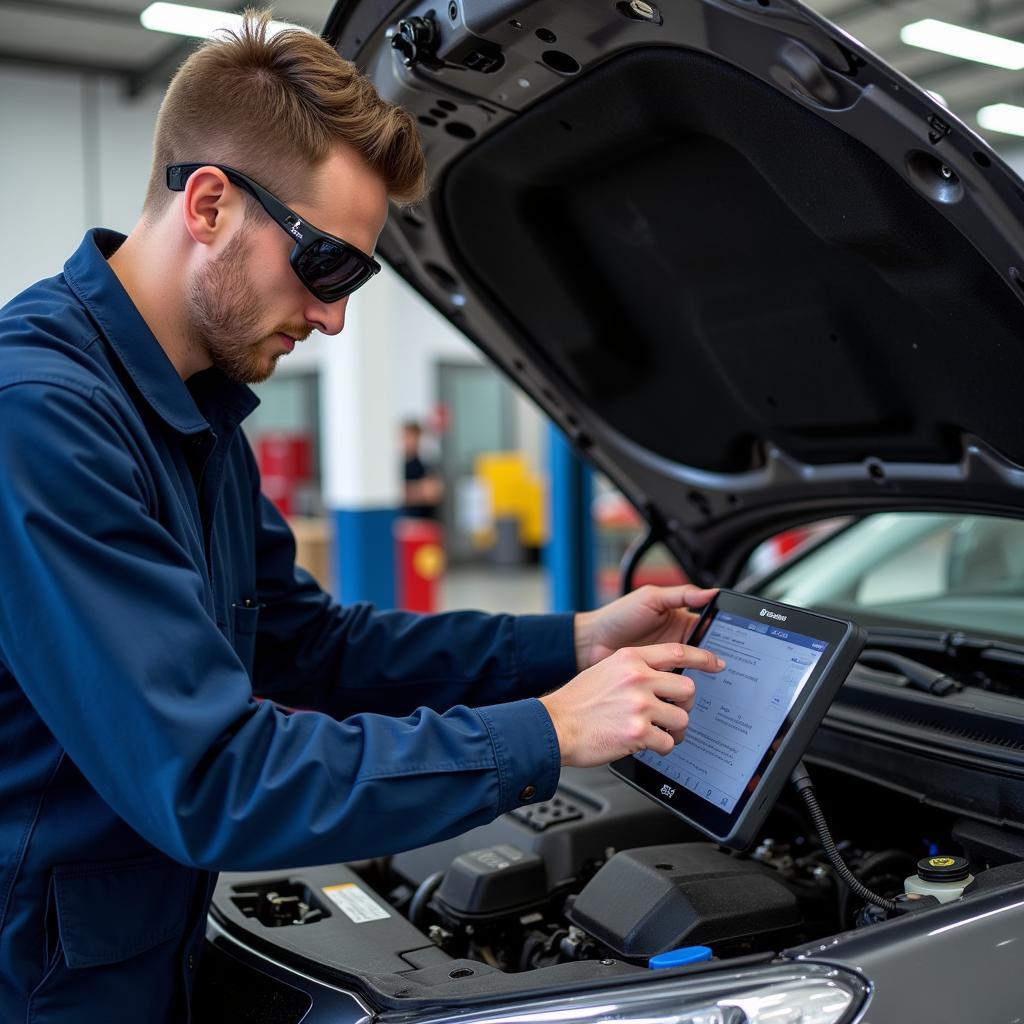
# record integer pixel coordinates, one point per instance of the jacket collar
(96, 285)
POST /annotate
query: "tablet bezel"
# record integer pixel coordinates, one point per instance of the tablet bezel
(738, 828)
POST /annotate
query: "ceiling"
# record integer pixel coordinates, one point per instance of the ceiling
(964, 85)
(105, 35)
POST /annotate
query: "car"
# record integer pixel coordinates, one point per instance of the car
(763, 282)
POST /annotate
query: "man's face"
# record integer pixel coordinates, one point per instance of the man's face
(246, 308)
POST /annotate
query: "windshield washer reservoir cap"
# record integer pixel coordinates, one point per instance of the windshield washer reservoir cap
(943, 869)
(680, 957)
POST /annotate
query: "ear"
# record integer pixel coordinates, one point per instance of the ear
(212, 206)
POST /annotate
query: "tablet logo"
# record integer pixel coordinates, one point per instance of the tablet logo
(765, 614)
(668, 791)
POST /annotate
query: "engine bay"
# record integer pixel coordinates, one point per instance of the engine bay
(917, 764)
(592, 884)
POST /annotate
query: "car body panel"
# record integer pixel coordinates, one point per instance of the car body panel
(961, 962)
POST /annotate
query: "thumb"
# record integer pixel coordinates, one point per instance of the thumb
(687, 595)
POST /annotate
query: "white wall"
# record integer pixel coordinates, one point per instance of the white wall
(41, 174)
(125, 151)
(74, 152)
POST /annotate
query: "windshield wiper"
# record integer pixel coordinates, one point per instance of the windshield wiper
(952, 643)
(918, 676)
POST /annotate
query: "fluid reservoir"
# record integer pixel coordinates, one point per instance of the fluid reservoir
(943, 877)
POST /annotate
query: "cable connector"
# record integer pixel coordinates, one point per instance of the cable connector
(800, 779)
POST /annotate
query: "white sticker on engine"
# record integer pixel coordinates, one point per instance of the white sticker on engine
(354, 903)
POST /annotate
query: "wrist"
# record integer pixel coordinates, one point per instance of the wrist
(562, 732)
(582, 630)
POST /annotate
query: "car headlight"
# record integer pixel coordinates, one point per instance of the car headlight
(793, 994)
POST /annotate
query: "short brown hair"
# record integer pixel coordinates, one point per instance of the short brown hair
(274, 108)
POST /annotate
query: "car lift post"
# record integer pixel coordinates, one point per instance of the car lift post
(569, 555)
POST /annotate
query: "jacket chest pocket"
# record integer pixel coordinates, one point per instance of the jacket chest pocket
(245, 617)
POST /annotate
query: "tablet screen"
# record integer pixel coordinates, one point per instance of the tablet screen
(737, 713)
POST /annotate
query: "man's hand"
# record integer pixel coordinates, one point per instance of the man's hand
(622, 704)
(650, 615)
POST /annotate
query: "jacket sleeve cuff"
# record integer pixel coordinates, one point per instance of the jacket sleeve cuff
(526, 752)
(546, 647)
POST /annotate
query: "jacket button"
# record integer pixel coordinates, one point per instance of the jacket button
(191, 961)
(528, 793)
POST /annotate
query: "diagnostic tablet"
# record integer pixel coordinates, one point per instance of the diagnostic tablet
(751, 722)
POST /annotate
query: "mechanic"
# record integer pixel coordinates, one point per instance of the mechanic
(150, 591)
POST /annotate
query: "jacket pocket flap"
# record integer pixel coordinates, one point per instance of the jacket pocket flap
(115, 910)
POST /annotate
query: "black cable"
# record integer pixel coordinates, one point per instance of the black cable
(633, 554)
(422, 897)
(805, 787)
(903, 864)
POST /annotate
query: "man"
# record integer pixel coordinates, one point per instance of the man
(149, 591)
(423, 488)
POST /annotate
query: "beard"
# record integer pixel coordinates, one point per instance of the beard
(223, 316)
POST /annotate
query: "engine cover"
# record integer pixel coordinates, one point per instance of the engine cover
(647, 901)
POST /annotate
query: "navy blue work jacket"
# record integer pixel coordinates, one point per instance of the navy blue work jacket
(147, 592)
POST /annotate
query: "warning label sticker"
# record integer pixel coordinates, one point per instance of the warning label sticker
(357, 905)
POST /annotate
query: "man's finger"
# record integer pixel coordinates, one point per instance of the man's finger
(678, 735)
(669, 656)
(687, 595)
(659, 742)
(680, 690)
(672, 719)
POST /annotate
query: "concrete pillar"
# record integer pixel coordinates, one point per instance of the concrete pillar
(361, 456)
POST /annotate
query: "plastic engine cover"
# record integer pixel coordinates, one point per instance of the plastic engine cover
(489, 882)
(646, 901)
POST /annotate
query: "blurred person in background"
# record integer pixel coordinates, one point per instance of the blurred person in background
(423, 489)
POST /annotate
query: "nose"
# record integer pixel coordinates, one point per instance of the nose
(327, 317)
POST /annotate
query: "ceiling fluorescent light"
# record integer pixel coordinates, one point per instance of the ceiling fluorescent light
(1002, 117)
(200, 22)
(942, 37)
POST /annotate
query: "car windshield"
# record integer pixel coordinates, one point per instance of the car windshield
(916, 570)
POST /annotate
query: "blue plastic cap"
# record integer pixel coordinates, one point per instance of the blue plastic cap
(680, 957)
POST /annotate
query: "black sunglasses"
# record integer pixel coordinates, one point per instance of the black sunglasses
(329, 267)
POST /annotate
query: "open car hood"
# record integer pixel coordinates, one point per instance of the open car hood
(756, 275)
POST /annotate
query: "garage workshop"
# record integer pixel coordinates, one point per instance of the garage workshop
(512, 512)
